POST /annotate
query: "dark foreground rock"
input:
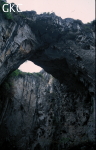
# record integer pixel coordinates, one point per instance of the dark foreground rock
(40, 113)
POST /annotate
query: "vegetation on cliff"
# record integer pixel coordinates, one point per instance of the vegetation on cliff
(17, 73)
(8, 15)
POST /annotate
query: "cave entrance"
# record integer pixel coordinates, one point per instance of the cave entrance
(29, 66)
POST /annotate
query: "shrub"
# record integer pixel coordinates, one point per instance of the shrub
(17, 73)
(8, 15)
(38, 74)
(78, 22)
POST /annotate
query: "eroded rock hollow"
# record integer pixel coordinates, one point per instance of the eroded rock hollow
(44, 111)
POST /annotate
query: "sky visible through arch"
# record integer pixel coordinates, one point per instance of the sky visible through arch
(83, 10)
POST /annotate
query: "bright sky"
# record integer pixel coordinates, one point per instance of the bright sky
(76, 9)
(30, 67)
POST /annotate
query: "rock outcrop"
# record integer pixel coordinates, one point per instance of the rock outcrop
(63, 48)
(40, 111)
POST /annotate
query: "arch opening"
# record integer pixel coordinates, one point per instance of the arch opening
(29, 66)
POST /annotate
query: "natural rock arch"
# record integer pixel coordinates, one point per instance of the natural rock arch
(59, 47)
(48, 41)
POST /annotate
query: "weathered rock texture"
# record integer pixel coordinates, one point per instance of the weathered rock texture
(64, 48)
(43, 113)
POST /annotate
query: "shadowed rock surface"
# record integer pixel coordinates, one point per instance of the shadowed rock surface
(62, 47)
(40, 111)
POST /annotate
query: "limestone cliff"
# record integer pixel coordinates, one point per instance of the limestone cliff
(62, 47)
(40, 113)
(44, 111)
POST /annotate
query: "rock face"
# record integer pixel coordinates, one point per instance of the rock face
(43, 112)
(63, 48)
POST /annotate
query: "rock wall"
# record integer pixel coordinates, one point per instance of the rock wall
(41, 113)
(64, 48)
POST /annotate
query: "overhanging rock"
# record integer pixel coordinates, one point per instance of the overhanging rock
(62, 47)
